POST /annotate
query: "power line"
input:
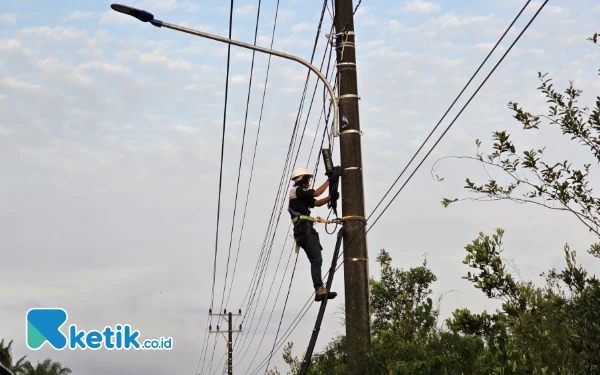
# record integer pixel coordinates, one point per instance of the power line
(239, 173)
(258, 347)
(240, 164)
(282, 314)
(221, 167)
(287, 165)
(256, 147)
(457, 116)
(272, 310)
(451, 106)
(439, 139)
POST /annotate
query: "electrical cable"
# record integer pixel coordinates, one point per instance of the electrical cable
(221, 167)
(250, 343)
(256, 144)
(447, 129)
(293, 141)
(452, 105)
(456, 118)
(239, 173)
(240, 164)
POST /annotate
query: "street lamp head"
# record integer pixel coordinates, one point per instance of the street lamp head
(141, 15)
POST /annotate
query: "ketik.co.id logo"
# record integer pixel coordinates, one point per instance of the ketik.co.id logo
(43, 325)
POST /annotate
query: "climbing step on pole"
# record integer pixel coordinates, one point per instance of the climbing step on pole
(315, 333)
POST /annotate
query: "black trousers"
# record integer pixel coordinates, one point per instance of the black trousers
(311, 245)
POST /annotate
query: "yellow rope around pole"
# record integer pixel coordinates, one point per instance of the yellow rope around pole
(345, 218)
(342, 219)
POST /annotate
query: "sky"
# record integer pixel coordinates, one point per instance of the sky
(110, 154)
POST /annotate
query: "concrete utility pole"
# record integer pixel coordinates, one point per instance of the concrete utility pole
(229, 317)
(356, 259)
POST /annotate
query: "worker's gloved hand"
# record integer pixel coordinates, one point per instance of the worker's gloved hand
(335, 196)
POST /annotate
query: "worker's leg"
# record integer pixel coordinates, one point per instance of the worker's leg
(313, 248)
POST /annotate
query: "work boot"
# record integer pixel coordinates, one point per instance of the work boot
(322, 292)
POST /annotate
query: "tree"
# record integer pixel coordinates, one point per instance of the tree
(556, 185)
(6, 358)
(47, 367)
(23, 367)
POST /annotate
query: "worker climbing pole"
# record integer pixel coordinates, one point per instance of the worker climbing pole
(301, 199)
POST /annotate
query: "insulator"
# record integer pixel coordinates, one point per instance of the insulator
(217, 328)
(240, 311)
(224, 311)
(240, 327)
(210, 311)
(210, 327)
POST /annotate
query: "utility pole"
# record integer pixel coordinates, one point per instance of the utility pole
(356, 259)
(230, 331)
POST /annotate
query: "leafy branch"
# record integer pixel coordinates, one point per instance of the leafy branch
(557, 185)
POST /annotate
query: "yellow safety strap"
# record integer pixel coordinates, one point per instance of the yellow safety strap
(345, 218)
(324, 221)
(302, 217)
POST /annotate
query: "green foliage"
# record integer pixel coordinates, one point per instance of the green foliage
(47, 367)
(556, 185)
(6, 358)
(23, 367)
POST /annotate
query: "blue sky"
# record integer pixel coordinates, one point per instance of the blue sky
(110, 152)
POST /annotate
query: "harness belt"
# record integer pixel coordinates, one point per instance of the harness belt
(298, 216)
(302, 217)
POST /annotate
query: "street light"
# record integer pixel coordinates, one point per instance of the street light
(144, 16)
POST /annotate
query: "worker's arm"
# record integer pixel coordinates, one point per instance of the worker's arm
(321, 202)
(321, 189)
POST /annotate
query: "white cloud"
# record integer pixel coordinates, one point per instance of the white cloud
(394, 26)
(160, 59)
(111, 17)
(243, 11)
(420, 6)
(182, 129)
(79, 15)
(107, 68)
(13, 45)
(244, 56)
(122, 140)
(303, 26)
(56, 34)
(167, 5)
(20, 85)
(239, 79)
(451, 20)
(8, 18)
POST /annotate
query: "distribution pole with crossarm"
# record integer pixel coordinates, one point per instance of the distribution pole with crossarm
(229, 338)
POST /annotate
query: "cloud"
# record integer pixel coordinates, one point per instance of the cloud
(23, 86)
(244, 11)
(168, 5)
(303, 26)
(182, 129)
(420, 6)
(239, 79)
(57, 34)
(8, 18)
(79, 15)
(126, 134)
